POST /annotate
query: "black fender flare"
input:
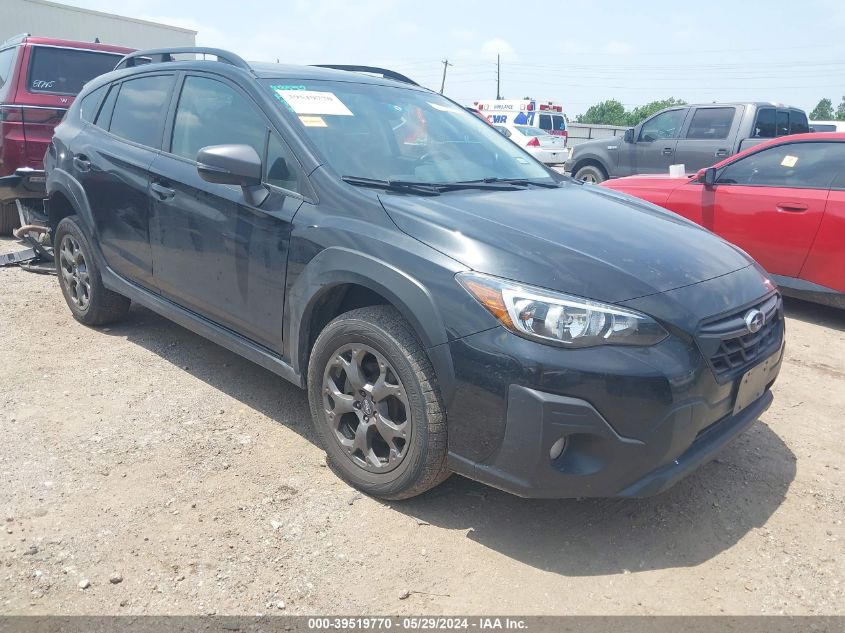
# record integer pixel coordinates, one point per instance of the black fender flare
(590, 158)
(336, 266)
(62, 182)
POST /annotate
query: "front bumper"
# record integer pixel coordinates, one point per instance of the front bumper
(25, 183)
(634, 420)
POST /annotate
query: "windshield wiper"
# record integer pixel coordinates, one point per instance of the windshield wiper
(523, 182)
(405, 186)
(436, 188)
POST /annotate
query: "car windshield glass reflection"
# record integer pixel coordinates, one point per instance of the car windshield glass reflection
(390, 133)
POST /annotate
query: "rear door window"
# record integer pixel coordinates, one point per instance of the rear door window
(711, 123)
(764, 127)
(65, 70)
(140, 109)
(559, 122)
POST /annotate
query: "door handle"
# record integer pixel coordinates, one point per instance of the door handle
(82, 163)
(792, 207)
(668, 151)
(161, 191)
(721, 153)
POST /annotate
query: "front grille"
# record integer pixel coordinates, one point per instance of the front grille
(731, 349)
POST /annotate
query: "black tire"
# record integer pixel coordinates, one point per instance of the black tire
(9, 218)
(79, 278)
(388, 350)
(590, 173)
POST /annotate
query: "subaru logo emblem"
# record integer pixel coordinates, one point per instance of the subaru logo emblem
(754, 320)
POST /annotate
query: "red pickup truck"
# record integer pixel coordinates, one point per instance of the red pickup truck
(39, 79)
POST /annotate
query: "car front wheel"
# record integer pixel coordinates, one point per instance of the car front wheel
(376, 405)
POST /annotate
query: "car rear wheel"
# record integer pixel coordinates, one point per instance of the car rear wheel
(590, 173)
(9, 219)
(376, 405)
(79, 278)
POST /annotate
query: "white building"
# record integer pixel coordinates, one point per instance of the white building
(41, 18)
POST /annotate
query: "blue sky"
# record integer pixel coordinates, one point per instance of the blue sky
(573, 53)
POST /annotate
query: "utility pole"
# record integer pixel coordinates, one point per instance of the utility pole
(443, 83)
(498, 75)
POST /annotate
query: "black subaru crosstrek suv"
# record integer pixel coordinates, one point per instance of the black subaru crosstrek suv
(450, 304)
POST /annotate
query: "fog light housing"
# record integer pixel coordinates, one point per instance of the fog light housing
(557, 448)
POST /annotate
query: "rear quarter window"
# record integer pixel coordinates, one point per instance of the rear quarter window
(711, 123)
(798, 123)
(65, 70)
(90, 104)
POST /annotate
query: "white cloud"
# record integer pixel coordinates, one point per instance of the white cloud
(497, 46)
(616, 47)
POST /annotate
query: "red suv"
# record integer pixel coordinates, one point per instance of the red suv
(39, 79)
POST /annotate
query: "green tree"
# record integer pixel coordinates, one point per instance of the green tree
(823, 110)
(610, 112)
(643, 112)
(840, 110)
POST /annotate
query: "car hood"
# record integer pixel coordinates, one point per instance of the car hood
(581, 239)
(655, 188)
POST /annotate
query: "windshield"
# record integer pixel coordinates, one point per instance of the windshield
(392, 133)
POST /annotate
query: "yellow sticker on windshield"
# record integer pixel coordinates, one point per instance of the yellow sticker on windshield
(789, 161)
(313, 121)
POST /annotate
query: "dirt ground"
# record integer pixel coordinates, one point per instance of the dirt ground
(145, 455)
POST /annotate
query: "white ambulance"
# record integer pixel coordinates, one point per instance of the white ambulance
(547, 116)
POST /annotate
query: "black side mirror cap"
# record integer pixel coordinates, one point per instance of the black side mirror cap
(709, 177)
(629, 135)
(230, 165)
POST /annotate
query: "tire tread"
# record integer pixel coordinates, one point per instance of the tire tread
(390, 322)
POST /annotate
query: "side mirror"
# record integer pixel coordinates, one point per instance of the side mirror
(233, 165)
(629, 135)
(708, 177)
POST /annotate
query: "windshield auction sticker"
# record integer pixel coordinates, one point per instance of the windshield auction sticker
(312, 121)
(313, 102)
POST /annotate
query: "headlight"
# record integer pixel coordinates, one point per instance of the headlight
(571, 321)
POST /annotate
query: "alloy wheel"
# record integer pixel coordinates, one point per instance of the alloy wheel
(74, 271)
(367, 408)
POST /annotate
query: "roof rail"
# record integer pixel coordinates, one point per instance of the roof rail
(375, 70)
(15, 39)
(160, 55)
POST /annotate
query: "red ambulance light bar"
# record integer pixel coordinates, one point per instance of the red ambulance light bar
(551, 108)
